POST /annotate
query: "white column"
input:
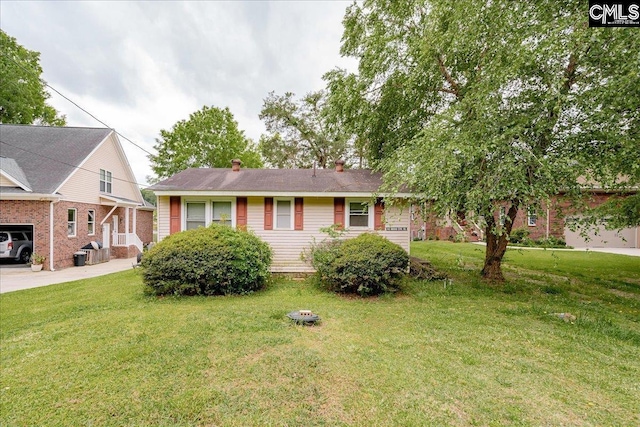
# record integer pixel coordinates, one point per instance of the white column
(135, 221)
(126, 225)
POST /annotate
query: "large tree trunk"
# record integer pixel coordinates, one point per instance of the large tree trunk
(497, 245)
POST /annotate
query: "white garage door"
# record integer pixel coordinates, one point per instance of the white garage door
(602, 238)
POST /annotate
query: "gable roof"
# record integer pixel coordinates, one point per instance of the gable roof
(14, 173)
(48, 155)
(215, 181)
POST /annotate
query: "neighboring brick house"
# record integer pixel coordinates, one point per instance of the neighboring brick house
(70, 186)
(285, 207)
(548, 222)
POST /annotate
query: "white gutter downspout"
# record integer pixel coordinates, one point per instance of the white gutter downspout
(51, 236)
(548, 222)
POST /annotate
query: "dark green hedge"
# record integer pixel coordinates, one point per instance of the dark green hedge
(365, 265)
(214, 260)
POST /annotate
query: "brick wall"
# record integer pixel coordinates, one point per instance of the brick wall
(145, 226)
(31, 212)
(36, 213)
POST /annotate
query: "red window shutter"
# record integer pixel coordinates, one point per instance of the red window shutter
(299, 214)
(241, 211)
(268, 213)
(338, 211)
(175, 222)
(378, 213)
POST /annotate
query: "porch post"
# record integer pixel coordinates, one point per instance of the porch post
(126, 226)
(135, 220)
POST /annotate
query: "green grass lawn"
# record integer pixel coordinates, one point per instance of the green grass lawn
(451, 353)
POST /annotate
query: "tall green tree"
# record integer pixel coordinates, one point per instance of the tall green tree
(23, 93)
(482, 104)
(301, 132)
(210, 138)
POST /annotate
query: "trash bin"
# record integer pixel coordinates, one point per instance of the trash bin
(78, 258)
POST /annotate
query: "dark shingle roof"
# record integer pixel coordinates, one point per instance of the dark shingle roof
(48, 155)
(273, 180)
(10, 166)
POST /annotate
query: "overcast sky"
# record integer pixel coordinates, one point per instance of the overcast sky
(142, 66)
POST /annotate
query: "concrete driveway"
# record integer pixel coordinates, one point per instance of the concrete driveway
(15, 278)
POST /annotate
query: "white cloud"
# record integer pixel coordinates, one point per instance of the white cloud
(140, 66)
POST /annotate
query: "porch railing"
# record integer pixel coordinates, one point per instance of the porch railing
(127, 239)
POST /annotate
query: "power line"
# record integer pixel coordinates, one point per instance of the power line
(76, 104)
(69, 164)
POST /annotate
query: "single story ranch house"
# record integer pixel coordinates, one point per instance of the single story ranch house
(287, 208)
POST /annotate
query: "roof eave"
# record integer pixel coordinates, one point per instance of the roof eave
(31, 196)
(214, 193)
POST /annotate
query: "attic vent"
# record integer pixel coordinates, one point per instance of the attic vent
(235, 165)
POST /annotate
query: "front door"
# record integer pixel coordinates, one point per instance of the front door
(106, 235)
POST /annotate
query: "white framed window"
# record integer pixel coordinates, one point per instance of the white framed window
(91, 222)
(358, 214)
(221, 212)
(105, 181)
(532, 217)
(195, 214)
(72, 224)
(201, 212)
(502, 216)
(283, 214)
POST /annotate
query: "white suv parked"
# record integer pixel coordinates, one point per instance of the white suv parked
(17, 245)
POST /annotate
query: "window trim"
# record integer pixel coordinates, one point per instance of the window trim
(292, 212)
(108, 181)
(74, 222)
(502, 216)
(91, 222)
(186, 212)
(532, 215)
(370, 213)
(208, 209)
(232, 220)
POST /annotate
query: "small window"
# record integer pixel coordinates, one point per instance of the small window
(502, 215)
(195, 215)
(532, 217)
(91, 222)
(222, 213)
(105, 181)
(283, 214)
(358, 214)
(71, 222)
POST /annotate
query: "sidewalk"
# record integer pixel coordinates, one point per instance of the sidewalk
(15, 279)
(616, 251)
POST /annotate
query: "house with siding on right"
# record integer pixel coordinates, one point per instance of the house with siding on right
(287, 208)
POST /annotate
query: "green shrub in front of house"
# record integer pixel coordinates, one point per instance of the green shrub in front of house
(365, 265)
(214, 260)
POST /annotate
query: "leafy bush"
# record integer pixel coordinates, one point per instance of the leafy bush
(365, 265)
(214, 260)
(519, 235)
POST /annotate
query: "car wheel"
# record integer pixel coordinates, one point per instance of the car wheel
(25, 256)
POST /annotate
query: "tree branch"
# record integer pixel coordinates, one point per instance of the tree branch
(455, 89)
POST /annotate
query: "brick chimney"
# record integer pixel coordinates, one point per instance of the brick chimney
(339, 165)
(235, 165)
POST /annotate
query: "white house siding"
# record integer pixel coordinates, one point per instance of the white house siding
(289, 244)
(5, 182)
(163, 216)
(84, 184)
(318, 213)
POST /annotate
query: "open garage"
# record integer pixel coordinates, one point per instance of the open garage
(16, 241)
